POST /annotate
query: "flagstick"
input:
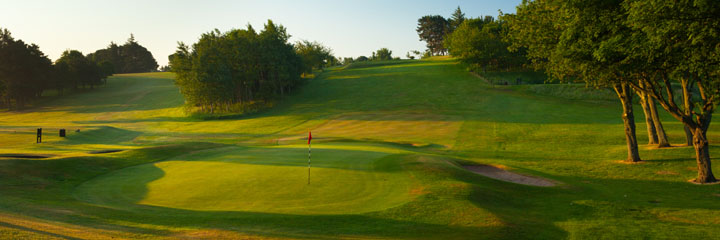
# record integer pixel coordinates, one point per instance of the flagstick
(309, 154)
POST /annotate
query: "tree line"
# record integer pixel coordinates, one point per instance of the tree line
(382, 54)
(130, 57)
(665, 52)
(481, 43)
(242, 69)
(26, 72)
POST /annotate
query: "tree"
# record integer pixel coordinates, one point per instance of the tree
(457, 18)
(237, 67)
(580, 39)
(432, 30)
(24, 71)
(382, 54)
(80, 69)
(314, 55)
(480, 43)
(61, 77)
(361, 59)
(131, 57)
(679, 42)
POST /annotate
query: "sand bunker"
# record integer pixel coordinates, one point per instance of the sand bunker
(501, 174)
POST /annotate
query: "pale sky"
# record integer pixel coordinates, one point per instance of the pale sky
(350, 28)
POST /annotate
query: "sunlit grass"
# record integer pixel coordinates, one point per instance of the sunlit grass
(388, 139)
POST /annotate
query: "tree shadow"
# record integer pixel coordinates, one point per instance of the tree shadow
(102, 135)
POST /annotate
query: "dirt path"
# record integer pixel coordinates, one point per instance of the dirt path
(501, 174)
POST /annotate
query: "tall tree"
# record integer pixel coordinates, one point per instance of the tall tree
(314, 55)
(383, 54)
(432, 30)
(24, 71)
(580, 39)
(680, 43)
(457, 18)
(130, 57)
(80, 69)
(236, 67)
(479, 42)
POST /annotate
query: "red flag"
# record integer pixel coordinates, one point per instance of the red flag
(309, 137)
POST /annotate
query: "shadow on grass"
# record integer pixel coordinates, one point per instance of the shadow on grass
(524, 211)
(47, 234)
(310, 226)
(102, 135)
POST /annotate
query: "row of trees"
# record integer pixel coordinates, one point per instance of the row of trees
(130, 57)
(667, 52)
(26, 72)
(382, 54)
(243, 68)
(480, 43)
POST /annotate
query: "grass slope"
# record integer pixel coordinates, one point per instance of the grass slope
(388, 139)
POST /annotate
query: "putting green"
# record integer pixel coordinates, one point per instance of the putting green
(273, 180)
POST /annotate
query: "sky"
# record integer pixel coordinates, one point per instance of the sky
(349, 28)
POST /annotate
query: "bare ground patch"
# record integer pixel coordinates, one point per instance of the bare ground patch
(504, 175)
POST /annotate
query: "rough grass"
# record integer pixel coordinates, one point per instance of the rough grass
(387, 143)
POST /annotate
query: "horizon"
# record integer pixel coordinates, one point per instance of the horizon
(158, 26)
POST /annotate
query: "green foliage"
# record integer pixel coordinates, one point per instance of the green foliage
(533, 29)
(131, 57)
(479, 42)
(457, 18)
(432, 30)
(237, 67)
(382, 54)
(394, 130)
(80, 70)
(24, 71)
(314, 55)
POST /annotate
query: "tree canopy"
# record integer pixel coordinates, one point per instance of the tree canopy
(481, 43)
(382, 54)
(432, 30)
(314, 55)
(130, 57)
(239, 67)
(634, 47)
(457, 18)
(24, 70)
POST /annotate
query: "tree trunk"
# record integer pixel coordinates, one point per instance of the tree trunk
(625, 94)
(702, 153)
(652, 133)
(659, 129)
(688, 136)
(687, 107)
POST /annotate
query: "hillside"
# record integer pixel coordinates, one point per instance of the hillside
(388, 144)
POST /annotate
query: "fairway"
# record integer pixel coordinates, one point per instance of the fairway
(389, 145)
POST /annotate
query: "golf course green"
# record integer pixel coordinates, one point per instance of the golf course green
(390, 140)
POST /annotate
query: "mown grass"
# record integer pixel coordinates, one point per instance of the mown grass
(387, 143)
